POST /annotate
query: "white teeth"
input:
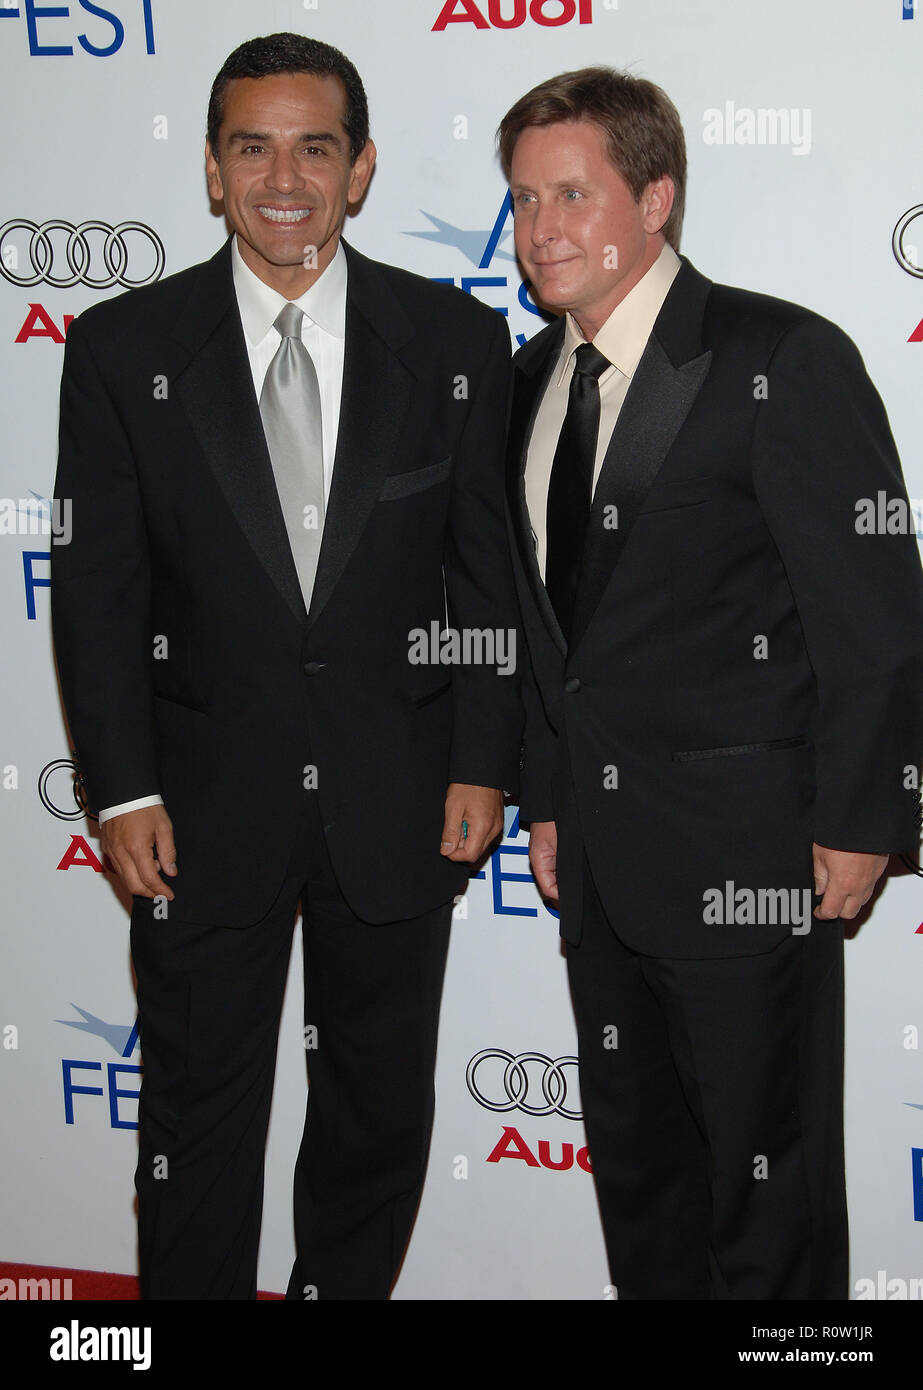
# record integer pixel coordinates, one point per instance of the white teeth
(289, 215)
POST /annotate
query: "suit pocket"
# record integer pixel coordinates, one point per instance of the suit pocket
(676, 496)
(421, 701)
(181, 702)
(692, 755)
(416, 480)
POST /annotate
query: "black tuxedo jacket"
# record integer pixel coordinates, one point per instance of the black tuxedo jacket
(178, 534)
(744, 673)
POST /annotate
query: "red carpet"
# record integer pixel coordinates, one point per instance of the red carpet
(84, 1284)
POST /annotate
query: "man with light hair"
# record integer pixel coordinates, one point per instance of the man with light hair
(723, 687)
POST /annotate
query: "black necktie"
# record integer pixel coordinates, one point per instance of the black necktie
(570, 489)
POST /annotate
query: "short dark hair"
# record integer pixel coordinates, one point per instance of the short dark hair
(274, 53)
(642, 128)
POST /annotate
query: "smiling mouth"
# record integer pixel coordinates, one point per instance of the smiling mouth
(285, 216)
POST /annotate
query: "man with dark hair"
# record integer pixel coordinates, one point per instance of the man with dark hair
(723, 700)
(284, 464)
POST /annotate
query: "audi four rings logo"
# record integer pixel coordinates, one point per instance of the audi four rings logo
(908, 257)
(499, 1081)
(60, 790)
(92, 254)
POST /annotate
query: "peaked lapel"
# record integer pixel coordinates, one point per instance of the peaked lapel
(662, 392)
(216, 387)
(378, 389)
(534, 366)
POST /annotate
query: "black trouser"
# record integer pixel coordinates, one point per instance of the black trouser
(714, 1114)
(210, 1000)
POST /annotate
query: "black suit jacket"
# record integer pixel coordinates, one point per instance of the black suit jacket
(178, 533)
(744, 673)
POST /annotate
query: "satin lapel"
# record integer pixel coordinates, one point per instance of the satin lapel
(529, 387)
(377, 394)
(657, 403)
(216, 388)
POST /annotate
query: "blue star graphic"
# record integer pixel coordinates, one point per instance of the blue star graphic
(479, 248)
(121, 1037)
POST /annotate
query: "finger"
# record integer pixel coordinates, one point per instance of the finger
(156, 888)
(831, 905)
(451, 833)
(153, 884)
(850, 907)
(470, 844)
(550, 890)
(546, 880)
(481, 834)
(133, 880)
(165, 851)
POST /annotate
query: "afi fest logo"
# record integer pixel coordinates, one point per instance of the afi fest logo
(87, 1083)
(512, 14)
(51, 30)
(482, 249)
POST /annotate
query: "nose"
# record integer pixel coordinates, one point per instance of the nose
(544, 227)
(285, 175)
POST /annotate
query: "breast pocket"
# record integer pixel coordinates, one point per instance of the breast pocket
(416, 480)
(775, 745)
(692, 492)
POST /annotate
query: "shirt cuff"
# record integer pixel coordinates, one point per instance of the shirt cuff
(124, 806)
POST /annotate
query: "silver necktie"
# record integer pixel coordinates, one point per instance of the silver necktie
(291, 414)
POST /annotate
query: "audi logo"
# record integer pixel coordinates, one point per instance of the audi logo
(61, 790)
(908, 258)
(95, 254)
(499, 1081)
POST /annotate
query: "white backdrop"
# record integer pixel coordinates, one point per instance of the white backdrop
(116, 135)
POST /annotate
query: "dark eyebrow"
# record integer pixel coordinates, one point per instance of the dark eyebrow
(306, 138)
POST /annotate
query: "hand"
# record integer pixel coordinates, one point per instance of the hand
(139, 843)
(482, 808)
(846, 880)
(543, 857)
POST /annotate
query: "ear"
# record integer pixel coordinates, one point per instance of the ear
(213, 174)
(657, 203)
(361, 172)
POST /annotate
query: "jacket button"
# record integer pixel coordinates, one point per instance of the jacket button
(572, 685)
(313, 668)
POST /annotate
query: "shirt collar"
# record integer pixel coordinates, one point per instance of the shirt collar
(624, 335)
(324, 303)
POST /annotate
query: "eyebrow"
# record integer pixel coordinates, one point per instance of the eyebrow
(325, 137)
(559, 183)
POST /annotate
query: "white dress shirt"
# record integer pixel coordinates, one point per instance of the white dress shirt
(622, 338)
(323, 332)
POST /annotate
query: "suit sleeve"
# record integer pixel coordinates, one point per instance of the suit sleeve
(539, 749)
(100, 590)
(480, 592)
(822, 444)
